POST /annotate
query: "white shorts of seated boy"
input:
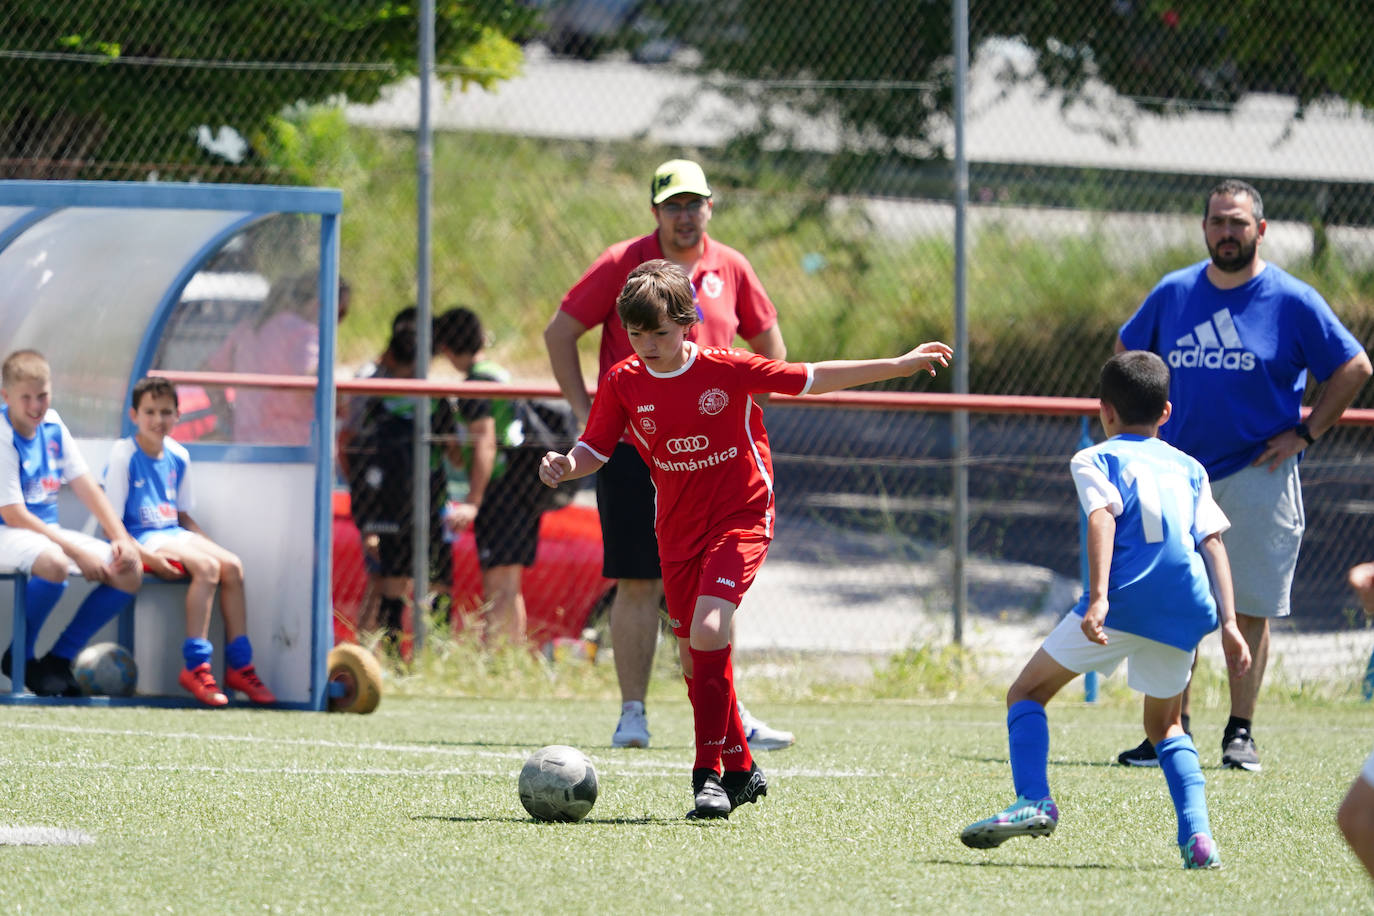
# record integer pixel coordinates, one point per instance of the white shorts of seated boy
(1152, 668)
(154, 540)
(21, 547)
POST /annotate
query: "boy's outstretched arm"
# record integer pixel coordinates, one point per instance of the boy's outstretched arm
(555, 468)
(837, 374)
(1233, 644)
(1101, 540)
(126, 555)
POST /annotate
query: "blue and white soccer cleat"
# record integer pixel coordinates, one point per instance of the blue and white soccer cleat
(1200, 852)
(1024, 817)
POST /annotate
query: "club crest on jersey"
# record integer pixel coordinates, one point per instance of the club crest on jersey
(712, 401)
(712, 285)
(648, 425)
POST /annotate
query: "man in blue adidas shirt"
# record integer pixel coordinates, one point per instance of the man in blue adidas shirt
(1240, 336)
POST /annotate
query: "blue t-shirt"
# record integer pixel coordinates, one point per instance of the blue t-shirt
(1158, 585)
(1238, 358)
(147, 492)
(33, 470)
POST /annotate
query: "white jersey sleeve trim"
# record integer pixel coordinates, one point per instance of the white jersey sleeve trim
(810, 378)
(116, 480)
(1208, 519)
(1095, 491)
(597, 455)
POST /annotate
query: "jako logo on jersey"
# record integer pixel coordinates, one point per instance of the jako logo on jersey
(1213, 344)
(712, 285)
(697, 464)
(712, 401)
(721, 580)
(648, 425)
(687, 444)
(644, 408)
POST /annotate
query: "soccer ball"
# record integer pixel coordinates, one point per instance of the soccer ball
(558, 783)
(105, 669)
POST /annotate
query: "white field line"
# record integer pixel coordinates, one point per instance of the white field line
(43, 836)
(650, 767)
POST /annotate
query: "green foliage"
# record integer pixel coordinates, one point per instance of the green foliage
(517, 220)
(131, 81)
(1166, 55)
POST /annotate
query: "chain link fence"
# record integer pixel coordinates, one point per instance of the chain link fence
(1093, 131)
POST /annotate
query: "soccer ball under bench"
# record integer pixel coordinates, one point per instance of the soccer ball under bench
(558, 783)
(105, 669)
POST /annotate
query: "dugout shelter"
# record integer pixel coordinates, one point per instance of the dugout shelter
(112, 280)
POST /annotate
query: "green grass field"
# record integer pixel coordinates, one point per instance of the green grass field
(414, 810)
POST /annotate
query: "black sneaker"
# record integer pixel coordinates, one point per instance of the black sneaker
(1238, 751)
(711, 800)
(51, 676)
(1142, 755)
(744, 787)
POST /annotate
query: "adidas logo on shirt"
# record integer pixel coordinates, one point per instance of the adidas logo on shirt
(1213, 344)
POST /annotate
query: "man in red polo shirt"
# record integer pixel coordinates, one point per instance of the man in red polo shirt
(731, 302)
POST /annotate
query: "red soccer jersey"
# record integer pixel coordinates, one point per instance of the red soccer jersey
(730, 299)
(702, 436)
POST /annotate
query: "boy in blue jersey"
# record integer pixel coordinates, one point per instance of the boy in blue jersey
(37, 456)
(1155, 561)
(148, 481)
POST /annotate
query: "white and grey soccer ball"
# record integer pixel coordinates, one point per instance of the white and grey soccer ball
(558, 783)
(105, 669)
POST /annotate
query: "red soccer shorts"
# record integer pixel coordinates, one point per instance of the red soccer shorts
(724, 569)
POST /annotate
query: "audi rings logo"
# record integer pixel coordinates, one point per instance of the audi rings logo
(687, 444)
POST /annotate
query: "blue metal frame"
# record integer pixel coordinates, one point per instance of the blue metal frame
(152, 335)
(47, 196)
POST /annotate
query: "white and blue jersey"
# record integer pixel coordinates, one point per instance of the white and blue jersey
(1158, 585)
(33, 470)
(147, 492)
(1238, 358)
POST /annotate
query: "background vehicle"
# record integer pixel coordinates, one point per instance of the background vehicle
(564, 590)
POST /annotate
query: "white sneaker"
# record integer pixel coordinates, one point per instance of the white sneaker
(633, 728)
(760, 736)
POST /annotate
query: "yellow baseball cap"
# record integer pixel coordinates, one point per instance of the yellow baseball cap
(678, 176)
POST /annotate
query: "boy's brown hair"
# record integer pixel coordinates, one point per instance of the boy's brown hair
(1136, 383)
(656, 290)
(25, 366)
(154, 386)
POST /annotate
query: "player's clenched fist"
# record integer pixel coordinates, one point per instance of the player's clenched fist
(553, 468)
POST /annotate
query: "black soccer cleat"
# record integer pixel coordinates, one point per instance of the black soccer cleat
(744, 786)
(710, 798)
(51, 676)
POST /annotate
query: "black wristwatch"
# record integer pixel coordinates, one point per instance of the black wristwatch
(1305, 433)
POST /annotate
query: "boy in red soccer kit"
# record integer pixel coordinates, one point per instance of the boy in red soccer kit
(690, 412)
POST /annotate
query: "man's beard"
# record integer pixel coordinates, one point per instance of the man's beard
(1243, 258)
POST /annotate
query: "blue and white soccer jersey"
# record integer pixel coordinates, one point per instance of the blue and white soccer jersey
(32, 472)
(1158, 586)
(149, 493)
(1238, 358)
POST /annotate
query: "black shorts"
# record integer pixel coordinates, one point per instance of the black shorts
(625, 502)
(396, 550)
(507, 525)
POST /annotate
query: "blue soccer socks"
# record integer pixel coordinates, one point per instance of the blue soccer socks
(1028, 734)
(196, 652)
(99, 608)
(40, 597)
(1178, 760)
(239, 653)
